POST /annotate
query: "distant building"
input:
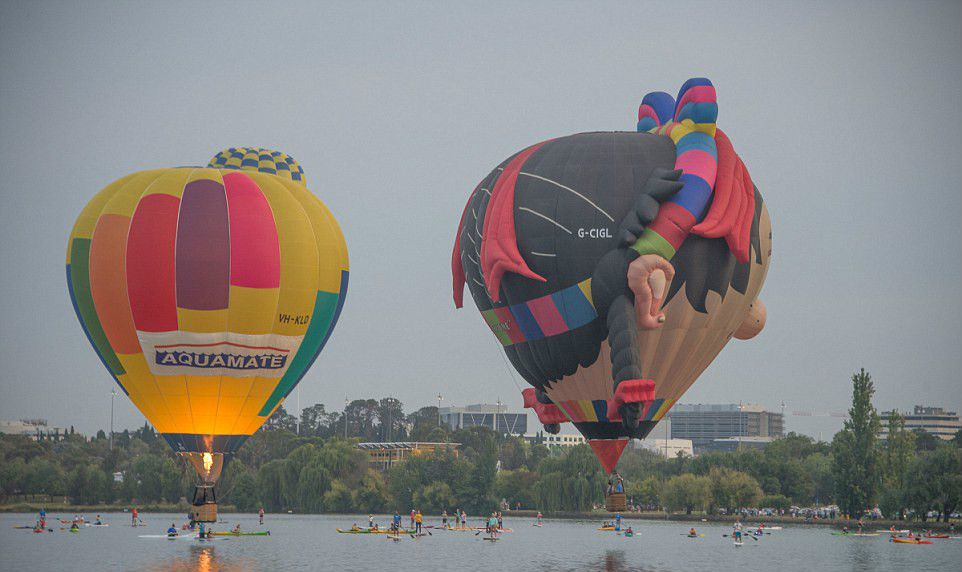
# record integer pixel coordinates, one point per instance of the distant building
(560, 440)
(735, 443)
(935, 420)
(492, 416)
(668, 448)
(383, 456)
(706, 424)
(36, 429)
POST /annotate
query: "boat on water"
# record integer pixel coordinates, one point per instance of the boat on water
(889, 531)
(372, 531)
(855, 534)
(910, 540)
(229, 533)
(936, 536)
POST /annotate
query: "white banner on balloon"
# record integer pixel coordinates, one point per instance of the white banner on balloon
(219, 353)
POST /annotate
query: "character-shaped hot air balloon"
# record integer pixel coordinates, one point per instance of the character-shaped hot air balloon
(208, 293)
(614, 267)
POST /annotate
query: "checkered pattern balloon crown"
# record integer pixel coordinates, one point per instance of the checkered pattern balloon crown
(261, 160)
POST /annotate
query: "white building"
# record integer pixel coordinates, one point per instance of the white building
(938, 421)
(560, 440)
(36, 429)
(668, 448)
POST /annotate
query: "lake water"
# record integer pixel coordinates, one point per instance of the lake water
(311, 543)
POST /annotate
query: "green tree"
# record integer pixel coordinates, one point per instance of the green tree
(855, 452)
(898, 449)
(434, 498)
(338, 498)
(244, 493)
(313, 482)
(686, 492)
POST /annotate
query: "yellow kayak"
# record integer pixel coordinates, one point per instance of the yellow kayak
(369, 531)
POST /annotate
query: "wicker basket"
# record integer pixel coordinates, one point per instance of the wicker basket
(204, 513)
(616, 502)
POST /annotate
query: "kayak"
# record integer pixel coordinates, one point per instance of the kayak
(855, 534)
(769, 528)
(629, 534)
(369, 531)
(607, 528)
(911, 541)
(887, 531)
(265, 533)
(96, 525)
(937, 536)
(537, 524)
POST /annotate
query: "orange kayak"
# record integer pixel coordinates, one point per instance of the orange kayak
(911, 541)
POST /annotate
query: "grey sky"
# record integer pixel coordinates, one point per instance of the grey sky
(846, 113)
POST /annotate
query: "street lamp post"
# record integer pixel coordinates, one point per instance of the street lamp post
(345, 417)
(439, 409)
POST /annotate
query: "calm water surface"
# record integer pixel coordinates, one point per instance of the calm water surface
(311, 543)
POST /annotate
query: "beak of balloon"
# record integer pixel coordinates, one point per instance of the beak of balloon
(753, 323)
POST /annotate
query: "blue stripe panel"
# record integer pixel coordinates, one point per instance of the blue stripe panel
(574, 307)
(663, 105)
(646, 124)
(697, 141)
(694, 196)
(194, 443)
(699, 112)
(693, 82)
(525, 319)
(601, 409)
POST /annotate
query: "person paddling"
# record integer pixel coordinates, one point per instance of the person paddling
(396, 522)
(539, 518)
(692, 532)
(260, 515)
(418, 520)
(493, 524)
(133, 516)
(444, 519)
(172, 531)
(737, 531)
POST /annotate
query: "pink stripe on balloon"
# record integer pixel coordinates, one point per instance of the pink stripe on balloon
(546, 313)
(698, 94)
(699, 163)
(255, 256)
(645, 110)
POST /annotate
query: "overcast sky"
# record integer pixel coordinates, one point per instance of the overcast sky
(846, 113)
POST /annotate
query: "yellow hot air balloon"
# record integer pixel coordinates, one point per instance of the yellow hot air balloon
(208, 293)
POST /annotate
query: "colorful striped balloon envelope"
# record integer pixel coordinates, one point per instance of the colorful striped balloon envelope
(208, 292)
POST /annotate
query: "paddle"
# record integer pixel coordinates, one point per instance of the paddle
(743, 536)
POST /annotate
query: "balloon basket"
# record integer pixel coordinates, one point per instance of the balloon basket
(616, 502)
(204, 506)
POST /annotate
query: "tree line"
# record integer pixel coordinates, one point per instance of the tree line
(310, 464)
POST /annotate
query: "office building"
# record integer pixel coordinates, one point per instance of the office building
(704, 424)
(935, 420)
(493, 416)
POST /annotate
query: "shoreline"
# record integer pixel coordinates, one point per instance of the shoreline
(31, 508)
